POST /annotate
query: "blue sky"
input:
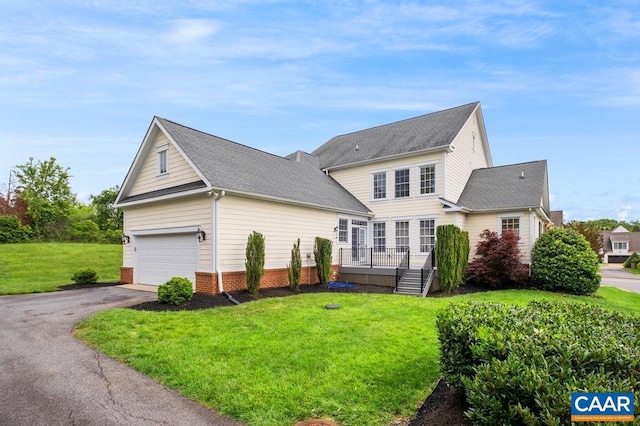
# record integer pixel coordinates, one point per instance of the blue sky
(80, 80)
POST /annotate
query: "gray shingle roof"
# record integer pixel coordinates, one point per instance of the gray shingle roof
(503, 187)
(238, 168)
(632, 237)
(430, 131)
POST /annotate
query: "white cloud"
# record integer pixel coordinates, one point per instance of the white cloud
(186, 31)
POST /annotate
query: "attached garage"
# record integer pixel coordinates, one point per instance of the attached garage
(617, 259)
(159, 257)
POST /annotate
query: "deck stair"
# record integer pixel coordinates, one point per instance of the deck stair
(409, 283)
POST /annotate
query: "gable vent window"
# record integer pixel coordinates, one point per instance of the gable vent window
(163, 160)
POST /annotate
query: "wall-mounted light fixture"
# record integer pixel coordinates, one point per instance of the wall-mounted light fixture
(201, 235)
(335, 229)
(125, 239)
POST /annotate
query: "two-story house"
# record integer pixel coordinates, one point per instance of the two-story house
(619, 244)
(190, 200)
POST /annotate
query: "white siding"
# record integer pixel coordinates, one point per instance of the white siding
(186, 211)
(179, 171)
(477, 223)
(464, 159)
(281, 224)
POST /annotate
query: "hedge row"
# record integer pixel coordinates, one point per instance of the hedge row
(519, 365)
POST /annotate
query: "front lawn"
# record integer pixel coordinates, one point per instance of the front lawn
(277, 361)
(42, 267)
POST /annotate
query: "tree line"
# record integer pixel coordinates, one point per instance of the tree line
(38, 205)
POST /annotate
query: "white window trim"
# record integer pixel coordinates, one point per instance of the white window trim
(159, 150)
(348, 233)
(501, 216)
(409, 221)
(435, 227)
(386, 233)
(419, 177)
(393, 188)
(386, 181)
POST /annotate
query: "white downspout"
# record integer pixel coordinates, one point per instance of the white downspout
(217, 196)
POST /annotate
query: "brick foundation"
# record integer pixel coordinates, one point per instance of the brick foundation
(126, 275)
(207, 282)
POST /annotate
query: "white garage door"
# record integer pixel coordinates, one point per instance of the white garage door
(161, 257)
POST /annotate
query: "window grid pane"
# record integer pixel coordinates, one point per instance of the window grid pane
(379, 237)
(402, 235)
(343, 228)
(402, 183)
(511, 224)
(428, 179)
(379, 186)
(427, 235)
(162, 162)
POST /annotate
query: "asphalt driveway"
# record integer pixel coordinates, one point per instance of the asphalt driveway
(48, 377)
(614, 275)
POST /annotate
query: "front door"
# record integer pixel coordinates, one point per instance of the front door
(358, 244)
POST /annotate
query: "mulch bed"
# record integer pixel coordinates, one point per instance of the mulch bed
(444, 406)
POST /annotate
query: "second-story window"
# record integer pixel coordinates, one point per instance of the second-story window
(162, 161)
(402, 183)
(428, 179)
(379, 185)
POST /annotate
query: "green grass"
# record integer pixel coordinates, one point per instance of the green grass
(278, 361)
(42, 267)
(632, 271)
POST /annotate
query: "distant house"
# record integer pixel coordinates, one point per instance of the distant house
(190, 199)
(619, 244)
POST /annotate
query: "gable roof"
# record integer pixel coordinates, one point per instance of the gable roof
(236, 168)
(424, 133)
(509, 187)
(617, 235)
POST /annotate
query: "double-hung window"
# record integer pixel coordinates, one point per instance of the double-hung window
(427, 235)
(620, 245)
(402, 235)
(511, 224)
(379, 185)
(163, 159)
(379, 237)
(402, 183)
(343, 230)
(428, 179)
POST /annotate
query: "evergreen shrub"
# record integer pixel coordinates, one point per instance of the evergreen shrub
(294, 269)
(254, 262)
(176, 291)
(452, 254)
(85, 276)
(322, 252)
(632, 261)
(518, 365)
(562, 260)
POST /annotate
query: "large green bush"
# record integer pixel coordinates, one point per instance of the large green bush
(254, 262)
(520, 364)
(323, 257)
(294, 269)
(12, 231)
(632, 260)
(176, 291)
(562, 260)
(452, 253)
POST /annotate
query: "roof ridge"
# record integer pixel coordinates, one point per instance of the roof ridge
(223, 139)
(514, 164)
(405, 120)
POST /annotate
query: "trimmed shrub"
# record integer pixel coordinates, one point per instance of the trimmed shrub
(176, 291)
(519, 364)
(452, 254)
(254, 262)
(322, 252)
(499, 262)
(85, 276)
(12, 231)
(85, 231)
(562, 260)
(294, 270)
(633, 261)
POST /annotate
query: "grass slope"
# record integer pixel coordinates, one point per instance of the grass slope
(42, 267)
(277, 361)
